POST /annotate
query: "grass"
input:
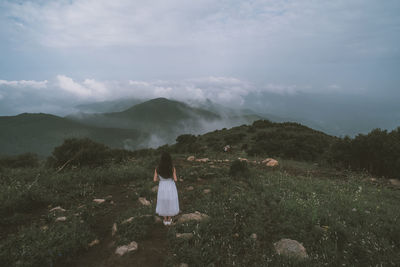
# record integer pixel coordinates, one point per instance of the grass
(342, 219)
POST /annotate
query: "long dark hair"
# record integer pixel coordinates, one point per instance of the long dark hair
(165, 166)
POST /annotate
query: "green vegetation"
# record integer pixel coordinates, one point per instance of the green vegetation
(340, 215)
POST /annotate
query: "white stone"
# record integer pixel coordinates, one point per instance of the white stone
(122, 250)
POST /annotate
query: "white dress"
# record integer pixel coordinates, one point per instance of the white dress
(167, 197)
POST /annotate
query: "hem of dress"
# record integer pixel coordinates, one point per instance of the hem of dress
(172, 214)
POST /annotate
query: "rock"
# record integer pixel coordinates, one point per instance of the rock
(99, 200)
(236, 235)
(61, 219)
(94, 242)
(203, 160)
(108, 198)
(196, 216)
(114, 229)
(127, 220)
(189, 188)
(144, 201)
(395, 182)
(112, 202)
(180, 180)
(253, 236)
(81, 206)
(183, 265)
(57, 209)
(243, 159)
(354, 209)
(206, 191)
(154, 188)
(44, 228)
(199, 179)
(191, 158)
(270, 162)
(184, 235)
(290, 248)
(122, 250)
(226, 160)
(372, 179)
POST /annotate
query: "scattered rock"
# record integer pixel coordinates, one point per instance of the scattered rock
(61, 219)
(108, 198)
(270, 162)
(243, 159)
(94, 242)
(144, 201)
(44, 228)
(189, 188)
(372, 179)
(236, 235)
(112, 202)
(114, 229)
(191, 158)
(226, 160)
(253, 236)
(354, 209)
(206, 191)
(154, 188)
(203, 160)
(199, 179)
(122, 250)
(395, 182)
(81, 206)
(57, 209)
(127, 220)
(184, 235)
(196, 216)
(183, 265)
(290, 248)
(181, 180)
(99, 200)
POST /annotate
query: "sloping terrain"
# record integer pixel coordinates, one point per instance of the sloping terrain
(40, 133)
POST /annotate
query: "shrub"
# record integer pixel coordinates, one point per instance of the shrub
(80, 152)
(262, 124)
(239, 168)
(27, 160)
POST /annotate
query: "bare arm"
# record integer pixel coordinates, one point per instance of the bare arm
(155, 175)
(175, 179)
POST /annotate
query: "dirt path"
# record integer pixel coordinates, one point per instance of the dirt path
(151, 252)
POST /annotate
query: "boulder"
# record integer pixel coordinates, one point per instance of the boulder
(114, 229)
(122, 250)
(196, 216)
(127, 220)
(253, 236)
(61, 219)
(395, 182)
(144, 201)
(206, 191)
(270, 162)
(243, 159)
(99, 200)
(190, 188)
(290, 248)
(184, 235)
(93, 243)
(57, 209)
(108, 198)
(191, 158)
(203, 160)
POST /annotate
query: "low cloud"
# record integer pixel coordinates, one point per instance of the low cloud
(24, 83)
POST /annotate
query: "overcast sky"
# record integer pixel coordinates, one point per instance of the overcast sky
(55, 53)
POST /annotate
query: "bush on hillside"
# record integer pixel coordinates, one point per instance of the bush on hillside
(262, 124)
(239, 168)
(187, 143)
(377, 152)
(233, 139)
(80, 152)
(27, 160)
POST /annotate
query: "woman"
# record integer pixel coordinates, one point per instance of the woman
(167, 196)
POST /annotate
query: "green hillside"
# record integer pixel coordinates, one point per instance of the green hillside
(40, 133)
